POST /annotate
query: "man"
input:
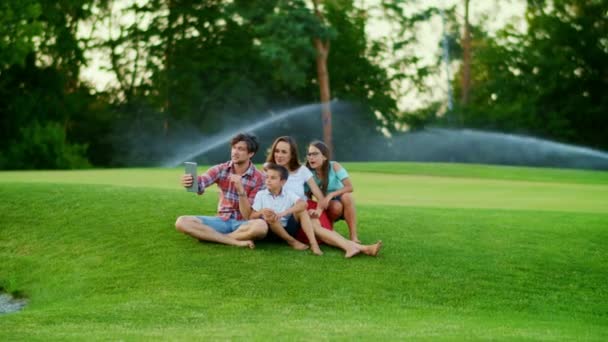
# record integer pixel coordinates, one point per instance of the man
(239, 181)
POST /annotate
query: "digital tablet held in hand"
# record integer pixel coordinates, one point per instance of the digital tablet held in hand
(191, 169)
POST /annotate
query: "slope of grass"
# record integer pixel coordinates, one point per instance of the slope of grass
(101, 261)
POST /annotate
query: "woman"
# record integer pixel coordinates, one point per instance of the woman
(284, 151)
(335, 185)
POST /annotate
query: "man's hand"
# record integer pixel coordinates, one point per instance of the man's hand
(236, 180)
(187, 180)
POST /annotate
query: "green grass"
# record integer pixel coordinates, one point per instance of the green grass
(466, 256)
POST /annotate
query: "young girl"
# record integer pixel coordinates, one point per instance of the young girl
(336, 186)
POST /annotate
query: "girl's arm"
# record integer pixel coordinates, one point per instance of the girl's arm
(348, 185)
(316, 191)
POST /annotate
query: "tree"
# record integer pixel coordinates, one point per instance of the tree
(19, 25)
(40, 84)
(322, 47)
(549, 81)
(466, 56)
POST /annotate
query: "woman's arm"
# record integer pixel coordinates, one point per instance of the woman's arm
(299, 206)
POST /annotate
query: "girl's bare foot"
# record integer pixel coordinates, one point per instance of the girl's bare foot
(376, 248)
(297, 245)
(371, 250)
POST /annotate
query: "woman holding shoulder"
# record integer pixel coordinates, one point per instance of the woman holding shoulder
(284, 151)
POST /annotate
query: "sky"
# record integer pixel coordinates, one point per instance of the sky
(429, 36)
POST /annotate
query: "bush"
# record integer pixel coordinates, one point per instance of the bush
(44, 146)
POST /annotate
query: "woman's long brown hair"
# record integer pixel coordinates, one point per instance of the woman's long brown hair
(294, 163)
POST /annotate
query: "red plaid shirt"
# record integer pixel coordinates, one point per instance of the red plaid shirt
(228, 207)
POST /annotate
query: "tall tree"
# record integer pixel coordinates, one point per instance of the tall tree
(43, 97)
(322, 46)
(466, 56)
(549, 81)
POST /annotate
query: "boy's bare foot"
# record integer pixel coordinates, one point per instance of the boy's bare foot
(316, 250)
(351, 252)
(297, 245)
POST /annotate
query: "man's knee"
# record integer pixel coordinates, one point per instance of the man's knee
(257, 228)
(181, 223)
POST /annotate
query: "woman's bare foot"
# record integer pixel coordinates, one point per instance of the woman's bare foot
(316, 250)
(297, 245)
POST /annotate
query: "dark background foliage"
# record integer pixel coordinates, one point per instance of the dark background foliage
(190, 71)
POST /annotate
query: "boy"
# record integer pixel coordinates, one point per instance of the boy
(277, 207)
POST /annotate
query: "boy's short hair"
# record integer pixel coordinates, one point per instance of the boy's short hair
(249, 139)
(282, 170)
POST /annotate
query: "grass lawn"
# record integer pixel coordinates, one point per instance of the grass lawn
(470, 252)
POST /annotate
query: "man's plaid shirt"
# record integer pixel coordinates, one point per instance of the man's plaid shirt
(228, 207)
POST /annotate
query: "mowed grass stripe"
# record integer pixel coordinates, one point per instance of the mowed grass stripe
(390, 189)
(478, 171)
(447, 192)
(106, 260)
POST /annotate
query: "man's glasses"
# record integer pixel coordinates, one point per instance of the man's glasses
(313, 154)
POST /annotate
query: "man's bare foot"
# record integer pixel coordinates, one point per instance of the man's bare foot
(245, 243)
(351, 252)
(316, 250)
(297, 245)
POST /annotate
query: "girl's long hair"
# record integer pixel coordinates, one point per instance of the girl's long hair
(294, 163)
(324, 176)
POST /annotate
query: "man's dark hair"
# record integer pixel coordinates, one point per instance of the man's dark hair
(282, 170)
(250, 139)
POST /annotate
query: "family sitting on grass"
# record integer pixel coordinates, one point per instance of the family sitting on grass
(278, 204)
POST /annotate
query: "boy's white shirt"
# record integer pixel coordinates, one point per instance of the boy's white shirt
(264, 199)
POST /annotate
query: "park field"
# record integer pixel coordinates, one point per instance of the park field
(470, 252)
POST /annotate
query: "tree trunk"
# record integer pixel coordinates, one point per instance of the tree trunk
(466, 56)
(171, 19)
(323, 79)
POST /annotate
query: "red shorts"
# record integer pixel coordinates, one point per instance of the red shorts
(325, 222)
